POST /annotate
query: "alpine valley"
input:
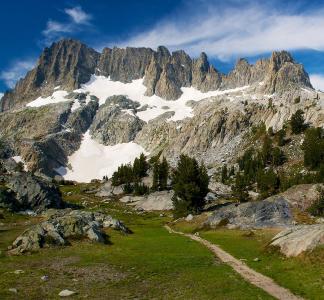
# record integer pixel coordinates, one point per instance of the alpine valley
(135, 173)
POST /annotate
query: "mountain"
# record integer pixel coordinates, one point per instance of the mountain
(68, 64)
(80, 111)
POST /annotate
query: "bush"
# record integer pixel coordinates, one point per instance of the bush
(140, 189)
(128, 188)
(190, 184)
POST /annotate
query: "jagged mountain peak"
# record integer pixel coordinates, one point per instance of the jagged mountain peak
(68, 63)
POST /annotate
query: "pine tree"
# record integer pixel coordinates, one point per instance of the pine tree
(140, 166)
(313, 147)
(268, 182)
(160, 175)
(240, 189)
(190, 185)
(156, 171)
(297, 122)
(278, 157)
(224, 174)
(232, 172)
(266, 150)
(163, 174)
(281, 134)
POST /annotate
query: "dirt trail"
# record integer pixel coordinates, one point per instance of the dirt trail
(259, 280)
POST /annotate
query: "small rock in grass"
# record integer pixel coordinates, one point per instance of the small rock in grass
(19, 272)
(66, 293)
(13, 290)
(189, 218)
(256, 259)
(44, 278)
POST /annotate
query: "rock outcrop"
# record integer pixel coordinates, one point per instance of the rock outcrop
(113, 125)
(62, 225)
(32, 193)
(258, 214)
(296, 240)
(301, 196)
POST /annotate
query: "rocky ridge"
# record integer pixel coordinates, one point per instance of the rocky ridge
(69, 63)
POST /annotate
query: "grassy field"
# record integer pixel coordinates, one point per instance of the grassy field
(148, 264)
(303, 275)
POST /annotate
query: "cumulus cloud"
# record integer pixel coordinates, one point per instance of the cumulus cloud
(16, 70)
(236, 30)
(77, 20)
(317, 81)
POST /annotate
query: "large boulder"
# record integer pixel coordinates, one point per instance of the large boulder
(61, 225)
(295, 240)
(161, 200)
(302, 196)
(33, 193)
(257, 214)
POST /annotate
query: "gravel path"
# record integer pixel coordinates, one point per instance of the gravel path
(259, 280)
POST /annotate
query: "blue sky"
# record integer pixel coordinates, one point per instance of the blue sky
(225, 30)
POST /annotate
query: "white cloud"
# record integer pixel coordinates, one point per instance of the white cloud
(78, 15)
(53, 27)
(1, 95)
(17, 70)
(78, 19)
(225, 32)
(317, 81)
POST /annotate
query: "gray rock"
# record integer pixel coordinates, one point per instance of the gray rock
(60, 225)
(66, 293)
(167, 86)
(112, 125)
(258, 214)
(155, 201)
(296, 240)
(32, 193)
(189, 218)
(124, 65)
(13, 290)
(81, 119)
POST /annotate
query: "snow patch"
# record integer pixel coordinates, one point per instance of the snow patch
(18, 159)
(94, 160)
(102, 87)
(57, 96)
